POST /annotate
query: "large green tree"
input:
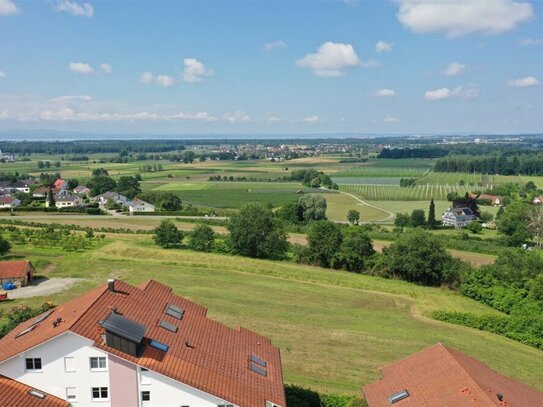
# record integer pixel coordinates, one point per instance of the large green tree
(254, 232)
(5, 246)
(353, 216)
(355, 249)
(167, 235)
(312, 207)
(128, 186)
(324, 240)
(432, 222)
(202, 238)
(100, 184)
(514, 223)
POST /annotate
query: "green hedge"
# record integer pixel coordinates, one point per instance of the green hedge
(301, 397)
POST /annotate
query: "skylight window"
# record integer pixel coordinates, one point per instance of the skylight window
(36, 393)
(394, 398)
(257, 369)
(175, 311)
(257, 360)
(160, 346)
(27, 330)
(42, 317)
(167, 326)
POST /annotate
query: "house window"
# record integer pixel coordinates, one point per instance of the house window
(33, 364)
(100, 393)
(145, 396)
(98, 363)
(70, 393)
(69, 364)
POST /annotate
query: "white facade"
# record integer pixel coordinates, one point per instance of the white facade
(13, 204)
(137, 205)
(65, 362)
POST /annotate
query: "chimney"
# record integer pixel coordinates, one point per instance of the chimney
(111, 284)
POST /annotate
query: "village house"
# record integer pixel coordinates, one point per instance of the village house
(82, 190)
(494, 199)
(7, 157)
(137, 205)
(18, 272)
(66, 201)
(61, 184)
(16, 186)
(111, 196)
(121, 345)
(9, 202)
(41, 192)
(14, 393)
(444, 377)
(458, 217)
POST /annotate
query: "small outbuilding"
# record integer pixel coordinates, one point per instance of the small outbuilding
(19, 272)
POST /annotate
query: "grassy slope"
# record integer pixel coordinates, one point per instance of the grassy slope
(334, 329)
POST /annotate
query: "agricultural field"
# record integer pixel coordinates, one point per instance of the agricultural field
(339, 204)
(397, 193)
(335, 329)
(380, 172)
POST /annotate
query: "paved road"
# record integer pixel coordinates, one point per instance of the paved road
(43, 287)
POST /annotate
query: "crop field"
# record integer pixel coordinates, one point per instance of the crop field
(396, 193)
(482, 180)
(366, 180)
(408, 206)
(335, 329)
(339, 204)
(367, 171)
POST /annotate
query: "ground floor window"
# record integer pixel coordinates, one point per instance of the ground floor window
(100, 393)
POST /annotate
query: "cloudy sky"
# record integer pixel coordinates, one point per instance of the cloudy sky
(253, 67)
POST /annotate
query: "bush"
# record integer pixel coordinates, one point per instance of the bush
(202, 238)
(167, 235)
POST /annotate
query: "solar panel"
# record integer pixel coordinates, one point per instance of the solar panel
(257, 360)
(258, 369)
(160, 346)
(398, 396)
(124, 327)
(42, 317)
(167, 325)
(27, 330)
(174, 311)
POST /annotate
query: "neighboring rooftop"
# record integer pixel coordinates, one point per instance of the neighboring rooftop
(442, 376)
(14, 393)
(201, 353)
(14, 268)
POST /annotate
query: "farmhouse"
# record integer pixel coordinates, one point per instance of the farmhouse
(121, 345)
(458, 217)
(20, 272)
(9, 202)
(494, 199)
(137, 205)
(113, 196)
(66, 201)
(444, 377)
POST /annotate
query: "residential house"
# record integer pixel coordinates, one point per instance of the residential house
(41, 192)
(66, 201)
(82, 190)
(494, 199)
(7, 157)
(61, 184)
(137, 205)
(16, 186)
(121, 345)
(113, 196)
(14, 393)
(444, 377)
(458, 217)
(9, 202)
(19, 272)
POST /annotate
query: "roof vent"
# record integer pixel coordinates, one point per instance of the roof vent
(394, 398)
(36, 393)
(111, 285)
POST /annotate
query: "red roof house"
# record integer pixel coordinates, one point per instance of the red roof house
(18, 271)
(16, 394)
(444, 377)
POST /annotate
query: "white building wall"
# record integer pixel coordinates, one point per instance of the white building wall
(53, 378)
(168, 392)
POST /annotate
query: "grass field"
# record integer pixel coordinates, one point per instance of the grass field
(397, 193)
(335, 329)
(339, 204)
(365, 171)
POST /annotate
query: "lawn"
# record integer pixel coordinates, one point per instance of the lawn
(335, 329)
(339, 204)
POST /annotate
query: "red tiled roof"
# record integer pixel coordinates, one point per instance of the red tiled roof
(14, 269)
(442, 376)
(7, 199)
(217, 361)
(15, 394)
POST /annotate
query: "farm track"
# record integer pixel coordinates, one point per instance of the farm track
(388, 218)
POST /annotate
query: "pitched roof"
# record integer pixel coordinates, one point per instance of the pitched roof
(59, 183)
(7, 199)
(442, 376)
(216, 360)
(16, 394)
(14, 268)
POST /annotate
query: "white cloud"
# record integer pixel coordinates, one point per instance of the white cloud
(106, 68)
(2, 74)
(160, 80)
(383, 46)
(8, 8)
(454, 69)
(69, 98)
(384, 92)
(472, 92)
(273, 119)
(312, 119)
(526, 42)
(331, 59)
(370, 63)
(270, 46)
(237, 117)
(72, 7)
(456, 18)
(80, 67)
(391, 119)
(523, 82)
(195, 71)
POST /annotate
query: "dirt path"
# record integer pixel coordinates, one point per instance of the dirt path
(42, 287)
(388, 218)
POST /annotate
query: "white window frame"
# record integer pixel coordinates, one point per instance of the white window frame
(34, 370)
(71, 391)
(98, 399)
(98, 360)
(69, 364)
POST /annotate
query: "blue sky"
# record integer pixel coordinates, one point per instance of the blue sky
(265, 67)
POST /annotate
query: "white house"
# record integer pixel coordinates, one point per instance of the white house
(121, 345)
(9, 202)
(67, 201)
(113, 196)
(458, 217)
(137, 205)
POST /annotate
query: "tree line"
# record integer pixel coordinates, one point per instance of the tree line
(528, 163)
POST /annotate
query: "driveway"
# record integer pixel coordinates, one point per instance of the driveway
(42, 287)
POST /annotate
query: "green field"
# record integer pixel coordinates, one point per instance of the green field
(335, 329)
(397, 193)
(367, 171)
